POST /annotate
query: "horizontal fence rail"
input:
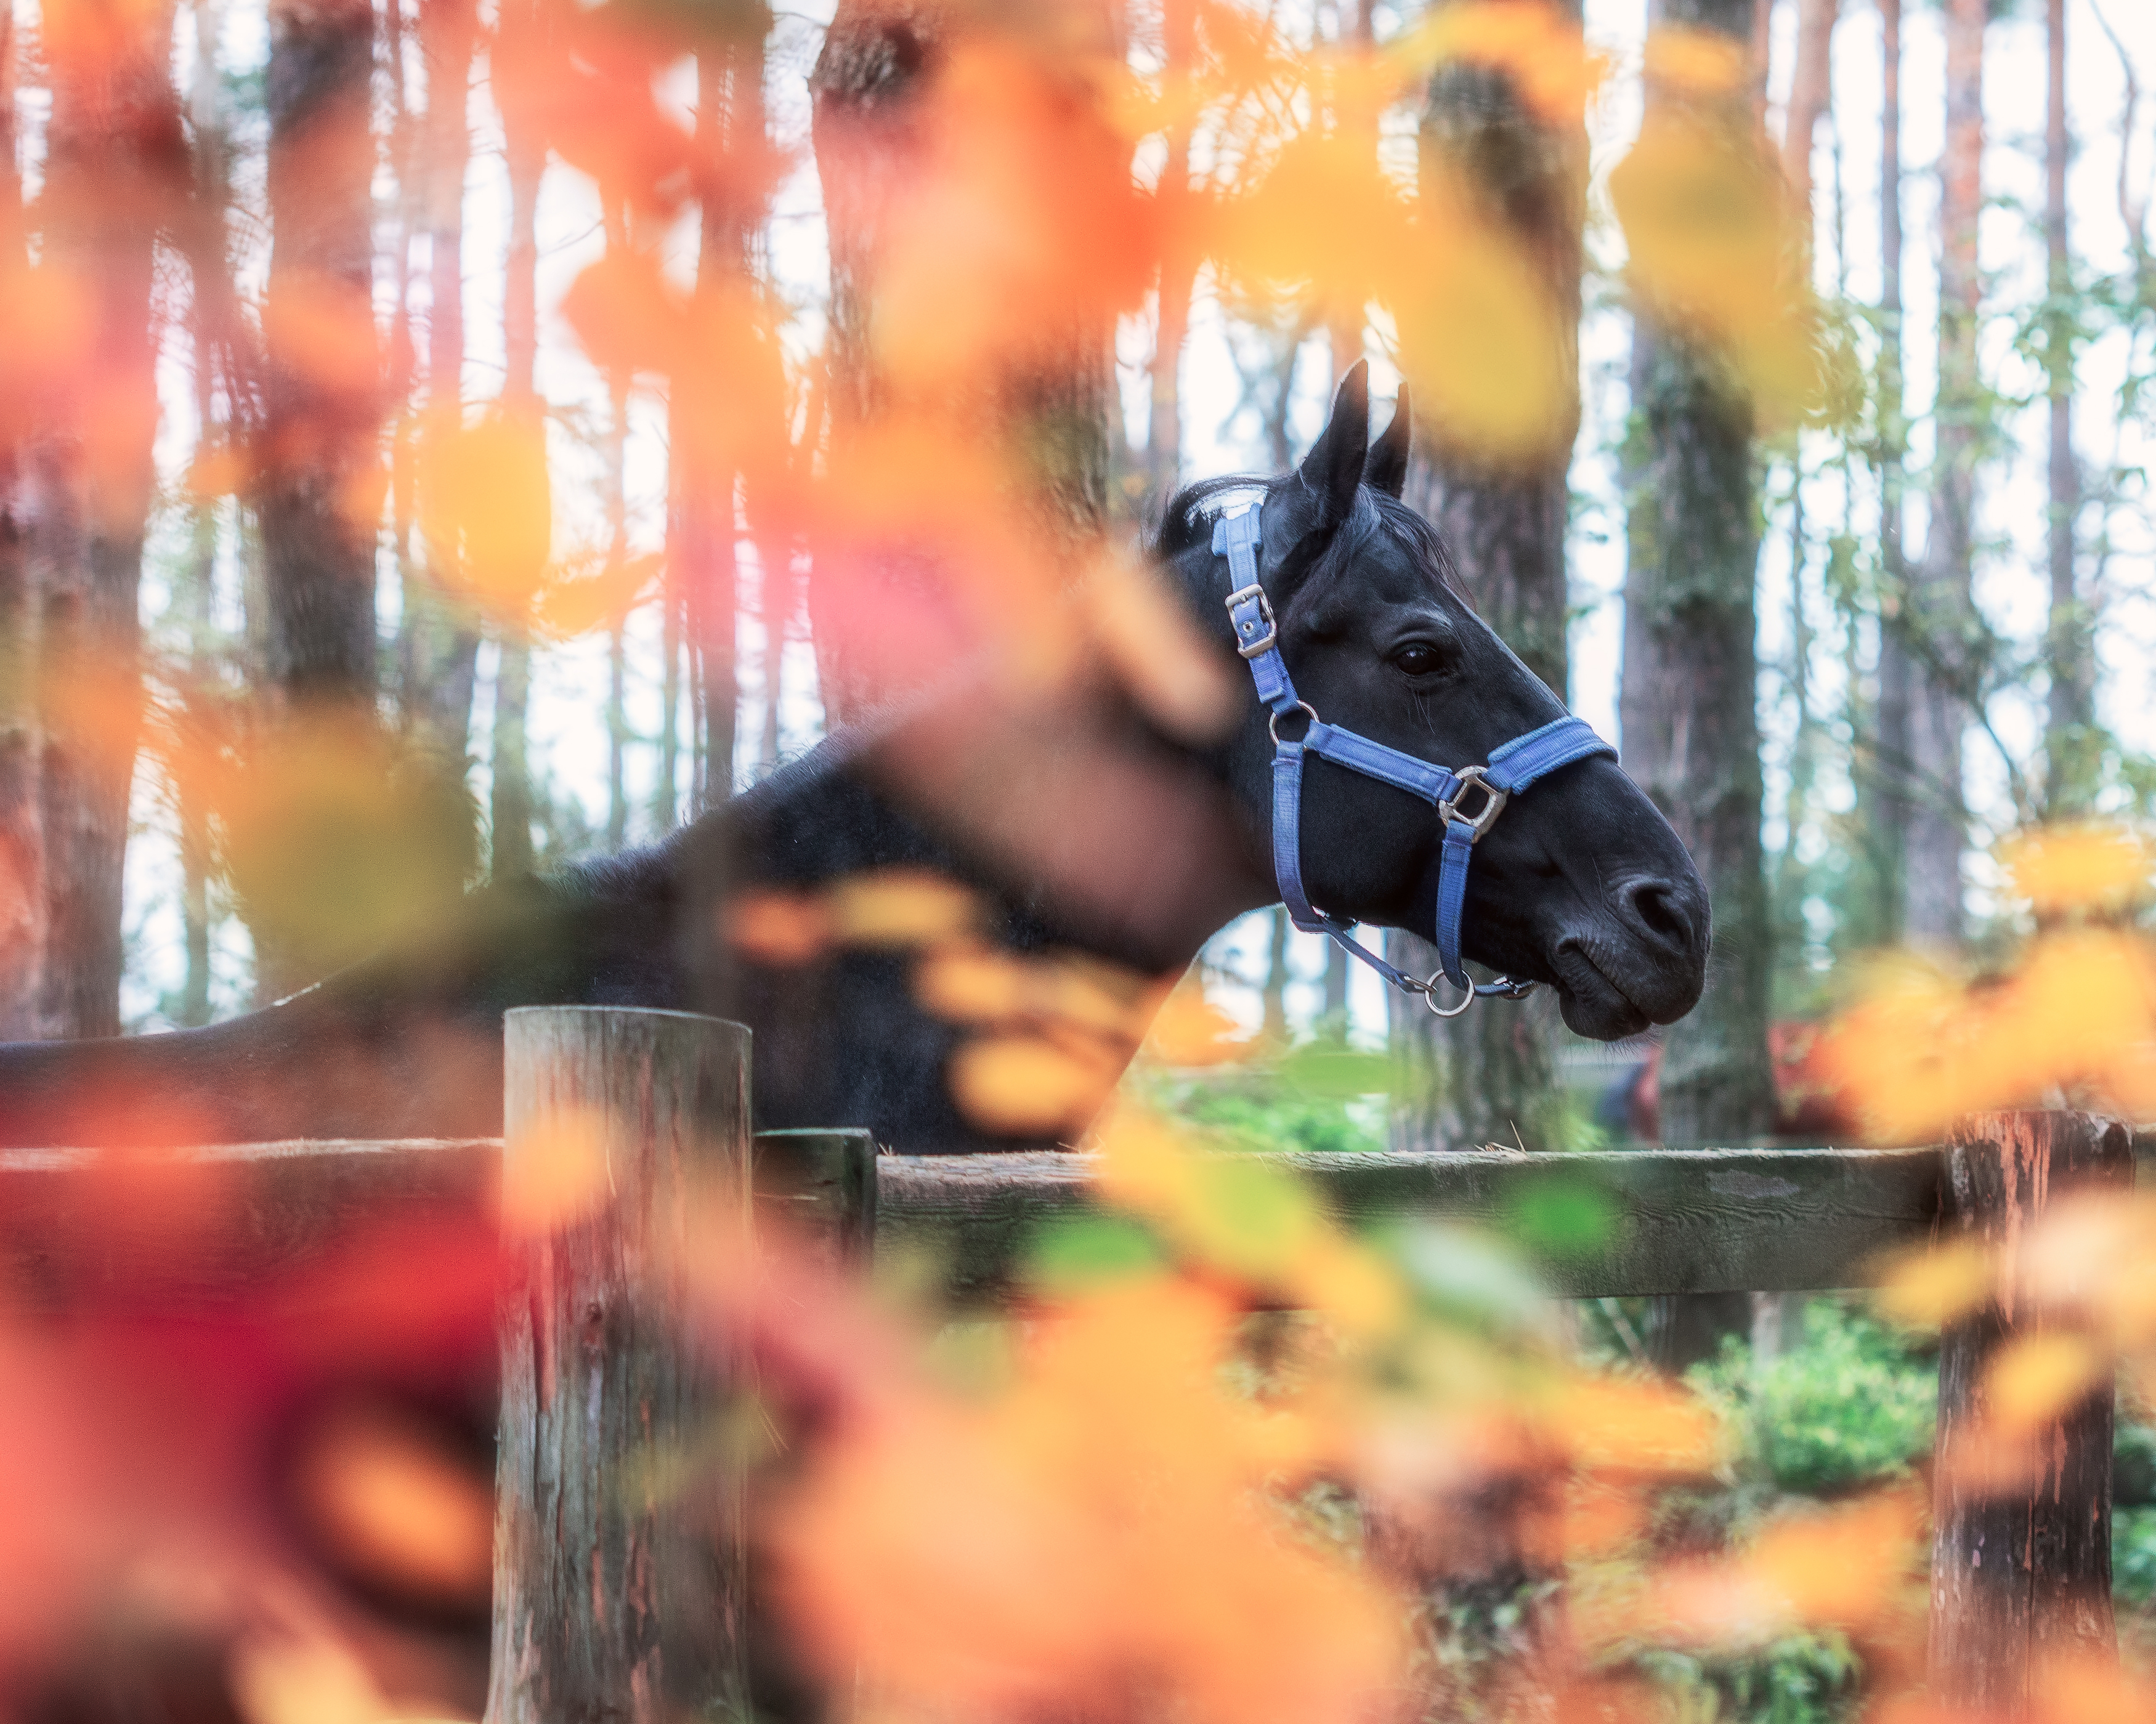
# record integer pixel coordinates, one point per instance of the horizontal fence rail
(1671, 1220)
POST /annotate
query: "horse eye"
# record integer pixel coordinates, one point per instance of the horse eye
(1417, 659)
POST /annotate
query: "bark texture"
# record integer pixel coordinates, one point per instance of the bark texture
(439, 647)
(21, 833)
(1884, 774)
(1688, 697)
(1938, 618)
(619, 1580)
(1491, 1076)
(115, 168)
(1811, 93)
(2072, 747)
(321, 393)
(2021, 1545)
(1056, 414)
(517, 55)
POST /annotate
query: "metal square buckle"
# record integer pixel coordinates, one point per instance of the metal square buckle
(1493, 801)
(1252, 648)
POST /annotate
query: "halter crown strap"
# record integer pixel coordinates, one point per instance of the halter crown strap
(1512, 769)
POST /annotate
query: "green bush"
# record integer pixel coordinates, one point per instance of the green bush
(2133, 1556)
(1853, 1402)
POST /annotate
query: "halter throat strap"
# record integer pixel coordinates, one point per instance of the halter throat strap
(1468, 800)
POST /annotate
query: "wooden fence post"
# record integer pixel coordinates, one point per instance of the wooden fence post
(619, 1594)
(2021, 1523)
(820, 1186)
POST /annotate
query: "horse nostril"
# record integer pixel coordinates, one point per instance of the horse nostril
(1662, 912)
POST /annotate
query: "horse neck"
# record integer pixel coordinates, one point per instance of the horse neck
(1090, 829)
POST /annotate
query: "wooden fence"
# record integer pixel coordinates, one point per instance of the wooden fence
(2016, 1579)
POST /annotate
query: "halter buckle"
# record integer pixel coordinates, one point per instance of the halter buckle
(1484, 818)
(1248, 647)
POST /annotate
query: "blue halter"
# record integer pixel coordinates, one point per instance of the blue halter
(1511, 770)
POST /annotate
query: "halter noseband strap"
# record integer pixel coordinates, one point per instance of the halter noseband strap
(1511, 770)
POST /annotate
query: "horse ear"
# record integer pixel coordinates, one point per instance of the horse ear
(1333, 468)
(1387, 469)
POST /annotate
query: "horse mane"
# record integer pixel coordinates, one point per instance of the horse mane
(1186, 521)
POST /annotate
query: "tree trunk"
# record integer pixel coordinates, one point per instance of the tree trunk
(518, 45)
(703, 554)
(217, 332)
(441, 643)
(1344, 323)
(1274, 994)
(2071, 745)
(1885, 782)
(319, 560)
(22, 839)
(1491, 1076)
(1178, 264)
(1939, 619)
(1055, 413)
(1687, 701)
(115, 166)
(1811, 93)
(617, 706)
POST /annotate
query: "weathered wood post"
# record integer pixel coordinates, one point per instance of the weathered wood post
(617, 1594)
(2021, 1519)
(818, 1188)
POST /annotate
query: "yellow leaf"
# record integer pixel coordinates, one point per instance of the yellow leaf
(2036, 1378)
(1027, 1083)
(486, 506)
(556, 1175)
(1927, 1289)
(397, 1507)
(901, 907)
(1701, 62)
(2097, 866)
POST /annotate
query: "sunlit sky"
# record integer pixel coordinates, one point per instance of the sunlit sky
(569, 747)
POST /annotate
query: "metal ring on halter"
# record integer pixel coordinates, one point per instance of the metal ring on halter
(1272, 724)
(1429, 996)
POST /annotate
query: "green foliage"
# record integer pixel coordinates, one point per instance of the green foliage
(1315, 1099)
(1800, 1679)
(2133, 1556)
(1853, 1404)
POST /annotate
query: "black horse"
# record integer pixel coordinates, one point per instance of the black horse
(1091, 842)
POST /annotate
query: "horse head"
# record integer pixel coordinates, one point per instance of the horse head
(1579, 883)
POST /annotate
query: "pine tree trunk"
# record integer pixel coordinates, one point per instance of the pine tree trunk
(1884, 783)
(508, 815)
(1274, 994)
(1490, 1076)
(2070, 745)
(878, 55)
(1178, 265)
(318, 562)
(617, 706)
(21, 837)
(442, 644)
(115, 161)
(1344, 323)
(217, 337)
(1688, 702)
(1811, 93)
(703, 552)
(1939, 619)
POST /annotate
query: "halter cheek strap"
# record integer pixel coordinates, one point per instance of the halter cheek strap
(1512, 769)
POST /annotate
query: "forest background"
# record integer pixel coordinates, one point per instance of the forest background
(1253, 376)
(434, 446)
